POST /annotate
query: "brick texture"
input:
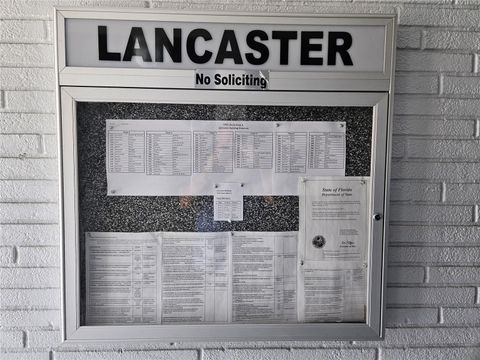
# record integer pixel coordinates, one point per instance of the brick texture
(128, 355)
(433, 286)
(30, 298)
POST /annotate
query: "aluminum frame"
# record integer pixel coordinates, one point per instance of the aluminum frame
(304, 89)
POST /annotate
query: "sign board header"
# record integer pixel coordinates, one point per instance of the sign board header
(224, 46)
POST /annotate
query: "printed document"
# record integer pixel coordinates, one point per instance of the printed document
(195, 273)
(187, 157)
(334, 228)
(228, 202)
(122, 276)
(264, 277)
(181, 277)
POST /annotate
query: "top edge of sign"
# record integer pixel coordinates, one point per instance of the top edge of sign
(159, 11)
(225, 17)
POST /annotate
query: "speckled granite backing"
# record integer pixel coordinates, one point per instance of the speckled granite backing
(99, 212)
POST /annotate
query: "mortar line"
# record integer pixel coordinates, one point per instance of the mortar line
(46, 34)
(15, 255)
(426, 275)
(441, 83)
(25, 339)
(440, 315)
(3, 100)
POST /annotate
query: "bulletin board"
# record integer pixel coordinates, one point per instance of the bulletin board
(155, 298)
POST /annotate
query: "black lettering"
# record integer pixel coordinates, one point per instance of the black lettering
(263, 82)
(103, 53)
(342, 50)
(162, 41)
(284, 37)
(202, 79)
(307, 47)
(192, 54)
(137, 35)
(257, 46)
(228, 40)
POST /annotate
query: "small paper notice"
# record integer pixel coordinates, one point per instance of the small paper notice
(228, 202)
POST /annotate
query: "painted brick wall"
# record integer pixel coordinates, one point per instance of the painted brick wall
(434, 274)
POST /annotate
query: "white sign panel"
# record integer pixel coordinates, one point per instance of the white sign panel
(186, 45)
(188, 157)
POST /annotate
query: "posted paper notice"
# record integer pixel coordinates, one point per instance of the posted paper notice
(333, 241)
(186, 157)
(228, 202)
(183, 277)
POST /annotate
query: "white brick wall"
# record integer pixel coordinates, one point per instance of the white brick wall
(433, 290)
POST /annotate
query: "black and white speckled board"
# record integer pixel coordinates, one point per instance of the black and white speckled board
(99, 212)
